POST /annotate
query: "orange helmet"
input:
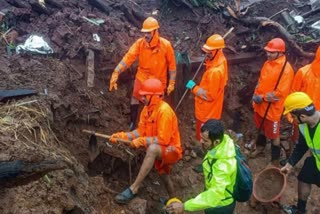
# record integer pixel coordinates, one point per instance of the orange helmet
(150, 24)
(151, 87)
(214, 42)
(276, 45)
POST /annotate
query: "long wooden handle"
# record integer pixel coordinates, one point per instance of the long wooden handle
(105, 136)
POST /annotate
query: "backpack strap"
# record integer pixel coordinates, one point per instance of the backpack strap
(210, 175)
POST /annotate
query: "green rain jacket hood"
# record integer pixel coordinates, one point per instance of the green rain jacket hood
(220, 169)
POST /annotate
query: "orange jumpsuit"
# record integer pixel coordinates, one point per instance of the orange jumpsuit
(209, 93)
(307, 79)
(158, 124)
(269, 76)
(155, 59)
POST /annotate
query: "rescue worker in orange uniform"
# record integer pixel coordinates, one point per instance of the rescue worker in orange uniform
(158, 133)
(209, 93)
(156, 60)
(275, 70)
(307, 79)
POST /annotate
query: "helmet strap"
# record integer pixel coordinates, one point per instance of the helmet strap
(152, 35)
(149, 101)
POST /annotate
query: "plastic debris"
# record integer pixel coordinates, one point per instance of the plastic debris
(316, 25)
(35, 44)
(96, 37)
(97, 22)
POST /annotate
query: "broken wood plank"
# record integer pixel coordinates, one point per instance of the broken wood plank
(90, 68)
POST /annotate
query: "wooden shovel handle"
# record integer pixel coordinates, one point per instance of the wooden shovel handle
(105, 136)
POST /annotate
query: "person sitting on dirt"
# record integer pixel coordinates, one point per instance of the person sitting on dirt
(273, 87)
(220, 169)
(303, 111)
(156, 60)
(209, 93)
(158, 132)
(307, 79)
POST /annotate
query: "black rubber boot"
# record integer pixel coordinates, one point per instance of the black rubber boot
(133, 116)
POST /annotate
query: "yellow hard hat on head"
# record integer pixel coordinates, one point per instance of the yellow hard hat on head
(171, 200)
(214, 42)
(295, 101)
(150, 24)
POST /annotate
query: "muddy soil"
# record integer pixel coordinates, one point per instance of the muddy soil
(90, 187)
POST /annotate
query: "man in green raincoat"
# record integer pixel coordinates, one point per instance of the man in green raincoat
(219, 169)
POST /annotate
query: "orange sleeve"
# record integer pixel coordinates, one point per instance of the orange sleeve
(297, 81)
(129, 57)
(171, 60)
(284, 86)
(142, 123)
(214, 85)
(165, 127)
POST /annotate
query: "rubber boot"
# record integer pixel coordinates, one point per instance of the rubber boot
(133, 116)
(275, 155)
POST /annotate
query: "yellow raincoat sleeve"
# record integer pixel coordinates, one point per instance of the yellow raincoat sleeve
(216, 192)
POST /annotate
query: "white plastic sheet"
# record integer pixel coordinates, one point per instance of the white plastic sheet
(35, 44)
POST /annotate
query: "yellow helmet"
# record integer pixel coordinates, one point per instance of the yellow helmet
(171, 200)
(296, 100)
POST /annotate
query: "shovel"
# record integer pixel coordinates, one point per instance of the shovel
(93, 143)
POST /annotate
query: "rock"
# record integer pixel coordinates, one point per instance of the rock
(138, 206)
(193, 154)
(187, 158)
(131, 33)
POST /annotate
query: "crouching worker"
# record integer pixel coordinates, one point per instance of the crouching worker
(157, 132)
(219, 169)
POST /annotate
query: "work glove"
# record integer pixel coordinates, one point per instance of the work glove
(113, 80)
(119, 135)
(257, 99)
(190, 84)
(170, 87)
(138, 142)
